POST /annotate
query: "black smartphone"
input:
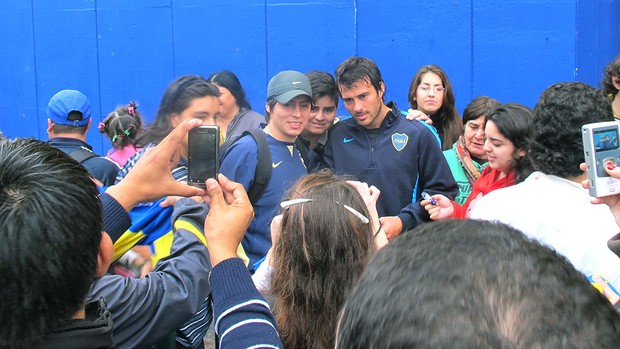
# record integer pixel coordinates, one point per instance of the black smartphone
(203, 148)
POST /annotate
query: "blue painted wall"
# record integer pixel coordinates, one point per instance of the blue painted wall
(116, 51)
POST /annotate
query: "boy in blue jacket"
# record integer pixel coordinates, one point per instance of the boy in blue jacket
(289, 100)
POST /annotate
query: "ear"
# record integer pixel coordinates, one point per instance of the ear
(106, 251)
(88, 125)
(381, 89)
(267, 108)
(615, 80)
(49, 125)
(175, 120)
(521, 153)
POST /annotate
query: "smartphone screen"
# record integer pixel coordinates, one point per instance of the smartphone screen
(203, 154)
(601, 147)
(605, 140)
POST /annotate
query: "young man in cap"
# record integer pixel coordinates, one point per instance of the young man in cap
(289, 100)
(380, 147)
(68, 120)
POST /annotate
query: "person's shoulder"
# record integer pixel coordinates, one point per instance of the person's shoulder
(494, 204)
(449, 153)
(102, 162)
(251, 114)
(415, 126)
(343, 124)
(244, 144)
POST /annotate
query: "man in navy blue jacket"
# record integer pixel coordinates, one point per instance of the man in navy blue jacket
(379, 146)
(68, 120)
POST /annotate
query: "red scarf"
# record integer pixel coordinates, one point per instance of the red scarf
(486, 183)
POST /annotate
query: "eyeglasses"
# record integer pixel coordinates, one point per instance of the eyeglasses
(427, 89)
(288, 203)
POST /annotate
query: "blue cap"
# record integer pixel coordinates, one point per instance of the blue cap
(66, 101)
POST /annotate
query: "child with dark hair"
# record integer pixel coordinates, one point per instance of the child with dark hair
(122, 127)
(322, 117)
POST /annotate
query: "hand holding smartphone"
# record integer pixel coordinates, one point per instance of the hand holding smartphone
(203, 154)
(601, 148)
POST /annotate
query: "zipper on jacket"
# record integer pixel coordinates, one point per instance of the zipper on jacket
(372, 148)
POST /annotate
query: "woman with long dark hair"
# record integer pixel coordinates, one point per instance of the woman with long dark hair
(236, 114)
(507, 133)
(327, 232)
(188, 97)
(432, 100)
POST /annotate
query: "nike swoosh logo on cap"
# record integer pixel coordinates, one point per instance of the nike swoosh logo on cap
(296, 82)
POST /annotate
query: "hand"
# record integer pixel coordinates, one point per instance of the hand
(171, 200)
(276, 224)
(392, 226)
(150, 178)
(380, 240)
(370, 195)
(229, 216)
(442, 210)
(418, 115)
(613, 201)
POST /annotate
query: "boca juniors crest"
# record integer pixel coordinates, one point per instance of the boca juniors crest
(399, 141)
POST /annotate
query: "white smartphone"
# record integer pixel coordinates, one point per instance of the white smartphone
(600, 147)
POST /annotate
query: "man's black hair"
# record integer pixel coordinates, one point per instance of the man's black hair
(474, 284)
(50, 228)
(74, 115)
(556, 143)
(358, 69)
(323, 84)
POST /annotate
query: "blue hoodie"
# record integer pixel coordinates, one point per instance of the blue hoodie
(239, 165)
(404, 160)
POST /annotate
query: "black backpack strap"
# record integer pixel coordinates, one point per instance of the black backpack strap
(303, 148)
(82, 154)
(263, 167)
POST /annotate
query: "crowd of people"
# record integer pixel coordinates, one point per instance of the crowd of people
(385, 228)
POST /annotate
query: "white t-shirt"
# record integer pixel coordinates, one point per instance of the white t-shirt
(558, 213)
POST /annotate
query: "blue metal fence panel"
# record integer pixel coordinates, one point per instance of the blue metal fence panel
(403, 36)
(224, 35)
(306, 36)
(521, 47)
(135, 53)
(115, 51)
(65, 40)
(18, 93)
